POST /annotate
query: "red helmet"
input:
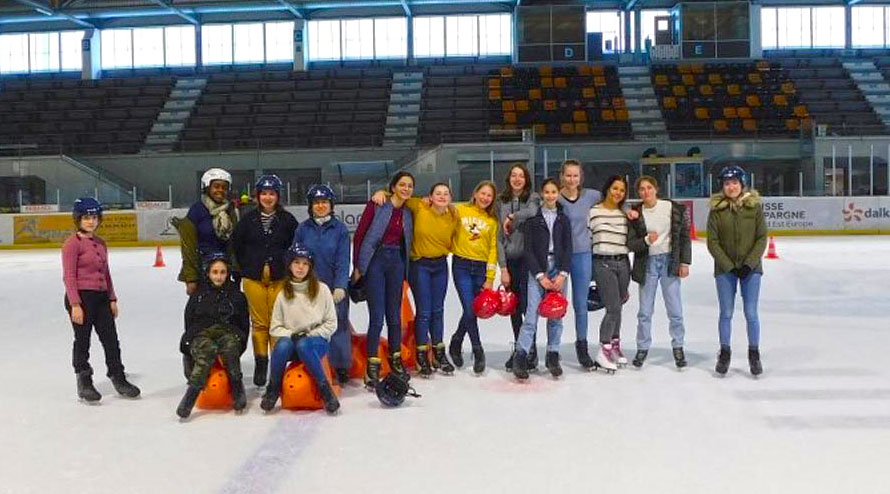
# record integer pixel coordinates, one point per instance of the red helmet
(553, 306)
(486, 304)
(509, 302)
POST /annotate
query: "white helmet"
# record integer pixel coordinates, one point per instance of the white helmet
(215, 174)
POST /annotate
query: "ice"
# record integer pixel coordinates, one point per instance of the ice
(818, 420)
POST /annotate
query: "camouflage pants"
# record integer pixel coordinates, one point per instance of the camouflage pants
(210, 343)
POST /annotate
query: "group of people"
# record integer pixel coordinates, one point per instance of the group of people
(286, 284)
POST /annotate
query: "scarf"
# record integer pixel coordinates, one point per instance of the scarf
(222, 221)
(321, 220)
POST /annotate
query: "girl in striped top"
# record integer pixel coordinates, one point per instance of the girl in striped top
(608, 231)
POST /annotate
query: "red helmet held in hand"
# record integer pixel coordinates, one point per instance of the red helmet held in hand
(509, 302)
(486, 304)
(553, 306)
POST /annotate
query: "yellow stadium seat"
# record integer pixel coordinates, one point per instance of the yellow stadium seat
(522, 105)
(507, 106)
(752, 100)
(534, 94)
(702, 113)
(579, 116)
(494, 94)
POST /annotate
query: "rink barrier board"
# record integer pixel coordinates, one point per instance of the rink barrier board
(797, 216)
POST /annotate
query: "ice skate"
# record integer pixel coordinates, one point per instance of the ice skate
(603, 359)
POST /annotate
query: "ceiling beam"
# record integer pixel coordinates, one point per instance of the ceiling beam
(853, 2)
(177, 11)
(49, 11)
(406, 8)
(631, 4)
(292, 9)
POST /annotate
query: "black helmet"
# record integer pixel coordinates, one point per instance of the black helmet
(391, 390)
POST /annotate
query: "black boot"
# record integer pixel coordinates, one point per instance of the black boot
(395, 363)
(455, 353)
(723, 360)
(239, 396)
(478, 359)
(551, 360)
(679, 357)
(520, 364)
(372, 373)
(273, 391)
(441, 361)
(583, 355)
(532, 364)
(124, 387)
(331, 403)
(754, 361)
(509, 364)
(423, 361)
(260, 370)
(343, 376)
(85, 389)
(640, 357)
(188, 401)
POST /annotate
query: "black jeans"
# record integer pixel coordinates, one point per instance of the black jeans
(518, 284)
(96, 314)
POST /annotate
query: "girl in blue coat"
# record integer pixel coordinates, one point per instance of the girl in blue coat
(328, 239)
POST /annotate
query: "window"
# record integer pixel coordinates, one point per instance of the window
(216, 44)
(117, 48)
(179, 46)
(324, 40)
(358, 39)
(13, 53)
(44, 52)
(462, 35)
(71, 46)
(248, 40)
(391, 38)
(868, 27)
(794, 27)
(647, 28)
(828, 27)
(607, 22)
(495, 35)
(429, 37)
(279, 41)
(148, 47)
(768, 32)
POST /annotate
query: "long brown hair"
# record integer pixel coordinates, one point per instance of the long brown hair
(451, 210)
(507, 193)
(494, 194)
(312, 290)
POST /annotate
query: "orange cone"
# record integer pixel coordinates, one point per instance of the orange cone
(159, 258)
(771, 250)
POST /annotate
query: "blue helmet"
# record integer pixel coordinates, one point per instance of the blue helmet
(86, 206)
(295, 251)
(269, 182)
(319, 192)
(212, 257)
(732, 172)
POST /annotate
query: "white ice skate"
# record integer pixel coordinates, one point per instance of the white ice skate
(617, 356)
(604, 361)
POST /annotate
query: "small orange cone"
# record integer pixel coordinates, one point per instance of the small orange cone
(771, 250)
(159, 258)
(692, 234)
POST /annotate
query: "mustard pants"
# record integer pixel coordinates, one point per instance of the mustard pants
(261, 296)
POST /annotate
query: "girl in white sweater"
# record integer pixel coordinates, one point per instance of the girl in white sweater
(303, 319)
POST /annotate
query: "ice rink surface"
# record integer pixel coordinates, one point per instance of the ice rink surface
(817, 421)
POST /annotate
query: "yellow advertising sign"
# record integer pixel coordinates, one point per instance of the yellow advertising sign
(55, 228)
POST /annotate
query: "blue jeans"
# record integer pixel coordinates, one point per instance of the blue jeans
(581, 274)
(727, 284)
(469, 276)
(310, 350)
(657, 272)
(385, 275)
(530, 326)
(429, 283)
(341, 340)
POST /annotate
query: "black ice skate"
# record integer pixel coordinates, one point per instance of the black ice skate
(478, 359)
(520, 364)
(372, 373)
(640, 357)
(454, 351)
(395, 363)
(754, 361)
(331, 403)
(188, 402)
(723, 360)
(679, 357)
(273, 391)
(124, 387)
(423, 361)
(259, 371)
(551, 360)
(85, 389)
(440, 361)
(532, 360)
(583, 354)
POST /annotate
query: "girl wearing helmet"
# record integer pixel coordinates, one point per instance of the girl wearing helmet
(328, 239)
(207, 227)
(260, 240)
(91, 302)
(303, 320)
(737, 238)
(216, 324)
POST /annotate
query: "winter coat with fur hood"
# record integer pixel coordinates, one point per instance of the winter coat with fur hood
(737, 232)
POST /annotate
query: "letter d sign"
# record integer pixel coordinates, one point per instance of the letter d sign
(569, 53)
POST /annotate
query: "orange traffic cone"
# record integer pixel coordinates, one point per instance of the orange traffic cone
(159, 258)
(771, 250)
(692, 234)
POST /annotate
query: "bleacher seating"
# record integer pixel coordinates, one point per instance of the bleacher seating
(559, 103)
(64, 115)
(831, 96)
(453, 104)
(731, 100)
(276, 109)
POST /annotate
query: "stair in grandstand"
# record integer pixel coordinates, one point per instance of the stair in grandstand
(403, 114)
(646, 118)
(173, 117)
(871, 83)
